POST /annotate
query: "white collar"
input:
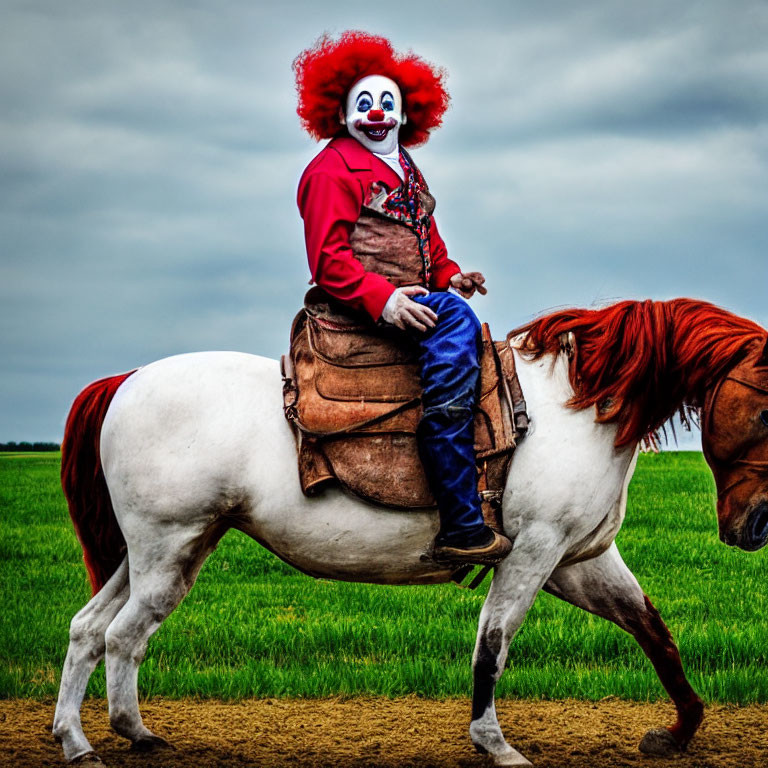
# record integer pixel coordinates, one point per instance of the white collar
(393, 161)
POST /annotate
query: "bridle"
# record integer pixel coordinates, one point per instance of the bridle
(751, 466)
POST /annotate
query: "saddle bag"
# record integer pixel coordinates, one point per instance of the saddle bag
(351, 392)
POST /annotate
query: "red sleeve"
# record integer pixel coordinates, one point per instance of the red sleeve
(443, 269)
(330, 205)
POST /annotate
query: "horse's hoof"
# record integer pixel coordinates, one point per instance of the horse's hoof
(512, 760)
(88, 760)
(150, 744)
(659, 742)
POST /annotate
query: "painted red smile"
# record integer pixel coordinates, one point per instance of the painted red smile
(376, 131)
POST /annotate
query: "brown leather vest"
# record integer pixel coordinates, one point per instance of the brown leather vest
(387, 244)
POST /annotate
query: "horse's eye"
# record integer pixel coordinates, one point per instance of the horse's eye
(764, 417)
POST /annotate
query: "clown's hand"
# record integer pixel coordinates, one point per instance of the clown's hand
(402, 311)
(466, 283)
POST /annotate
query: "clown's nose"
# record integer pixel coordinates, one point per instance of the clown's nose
(376, 115)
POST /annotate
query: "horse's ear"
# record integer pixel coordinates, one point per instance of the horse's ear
(762, 358)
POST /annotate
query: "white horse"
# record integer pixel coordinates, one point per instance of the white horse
(194, 445)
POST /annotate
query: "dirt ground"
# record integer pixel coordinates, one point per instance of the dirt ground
(390, 733)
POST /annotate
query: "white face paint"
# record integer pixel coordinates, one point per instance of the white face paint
(374, 113)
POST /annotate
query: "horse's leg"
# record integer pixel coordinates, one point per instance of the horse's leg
(606, 587)
(86, 648)
(516, 583)
(161, 574)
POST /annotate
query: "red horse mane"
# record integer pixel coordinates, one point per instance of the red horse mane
(640, 362)
(326, 71)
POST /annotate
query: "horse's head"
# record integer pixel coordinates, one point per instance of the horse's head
(735, 443)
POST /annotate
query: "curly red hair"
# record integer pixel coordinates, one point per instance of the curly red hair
(326, 71)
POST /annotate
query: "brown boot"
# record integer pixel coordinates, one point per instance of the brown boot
(489, 552)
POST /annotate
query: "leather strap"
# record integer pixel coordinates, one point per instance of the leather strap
(750, 465)
(512, 383)
(458, 576)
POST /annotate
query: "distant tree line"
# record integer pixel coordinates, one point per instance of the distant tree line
(29, 446)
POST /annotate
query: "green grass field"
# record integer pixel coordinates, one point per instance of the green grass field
(252, 626)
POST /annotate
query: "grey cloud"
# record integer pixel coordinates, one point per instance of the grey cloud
(563, 81)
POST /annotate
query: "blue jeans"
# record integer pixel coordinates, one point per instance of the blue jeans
(450, 376)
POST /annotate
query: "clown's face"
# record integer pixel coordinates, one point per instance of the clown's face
(374, 113)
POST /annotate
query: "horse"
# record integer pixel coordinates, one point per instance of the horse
(159, 463)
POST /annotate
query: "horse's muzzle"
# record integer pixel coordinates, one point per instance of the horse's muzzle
(755, 532)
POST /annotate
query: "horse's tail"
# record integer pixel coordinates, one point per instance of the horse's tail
(84, 485)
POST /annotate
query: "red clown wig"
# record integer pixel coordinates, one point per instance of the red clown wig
(326, 71)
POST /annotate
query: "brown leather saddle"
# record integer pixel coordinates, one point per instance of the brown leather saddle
(351, 391)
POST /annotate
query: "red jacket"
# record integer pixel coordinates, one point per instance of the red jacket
(330, 197)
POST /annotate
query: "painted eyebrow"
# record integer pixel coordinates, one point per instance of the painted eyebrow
(361, 94)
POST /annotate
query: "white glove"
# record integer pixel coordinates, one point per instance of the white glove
(401, 311)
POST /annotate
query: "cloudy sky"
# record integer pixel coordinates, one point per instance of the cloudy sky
(150, 156)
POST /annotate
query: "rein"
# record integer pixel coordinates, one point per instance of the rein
(750, 465)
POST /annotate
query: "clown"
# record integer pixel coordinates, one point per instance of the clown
(373, 244)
